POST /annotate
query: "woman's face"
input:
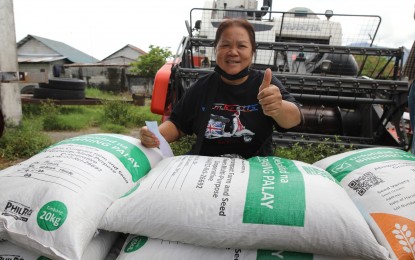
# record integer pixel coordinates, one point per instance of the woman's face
(234, 50)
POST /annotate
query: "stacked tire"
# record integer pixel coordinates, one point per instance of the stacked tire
(61, 88)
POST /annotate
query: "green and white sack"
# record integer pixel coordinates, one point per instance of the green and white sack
(263, 203)
(52, 203)
(139, 247)
(381, 182)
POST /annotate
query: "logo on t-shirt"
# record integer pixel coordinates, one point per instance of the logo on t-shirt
(217, 125)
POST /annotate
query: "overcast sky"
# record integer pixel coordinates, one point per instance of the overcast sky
(101, 27)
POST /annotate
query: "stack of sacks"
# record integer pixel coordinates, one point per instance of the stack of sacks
(98, 248)
(266, 203)
(51, 204)
(381, 182)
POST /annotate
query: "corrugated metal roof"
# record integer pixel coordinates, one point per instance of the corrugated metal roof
(65, 50)
(140, 51)
(32, 59)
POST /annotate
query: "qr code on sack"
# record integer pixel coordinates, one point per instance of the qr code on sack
(365, 182)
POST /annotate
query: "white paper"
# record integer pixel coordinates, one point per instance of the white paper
(164, 145)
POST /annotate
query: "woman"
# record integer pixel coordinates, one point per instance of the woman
(245, 103)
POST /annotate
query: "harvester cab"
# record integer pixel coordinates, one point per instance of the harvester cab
(350, 90)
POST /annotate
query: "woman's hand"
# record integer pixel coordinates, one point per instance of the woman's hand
(167, 129)
(148, 139)
(269, 96)
(285, 113)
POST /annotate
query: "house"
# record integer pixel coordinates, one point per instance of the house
(56, 59)
(111, 73)
(124, 56)
(41, 55)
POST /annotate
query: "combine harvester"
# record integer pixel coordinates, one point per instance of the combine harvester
(351, 91)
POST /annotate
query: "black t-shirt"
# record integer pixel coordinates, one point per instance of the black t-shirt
(237, 124)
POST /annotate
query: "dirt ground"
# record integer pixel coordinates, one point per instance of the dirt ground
(57, 136)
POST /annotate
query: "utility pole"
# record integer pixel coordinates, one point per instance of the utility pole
(10, 100)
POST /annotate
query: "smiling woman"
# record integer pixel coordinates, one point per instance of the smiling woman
(233, 109)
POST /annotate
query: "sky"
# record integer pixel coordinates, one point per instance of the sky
(102, 27)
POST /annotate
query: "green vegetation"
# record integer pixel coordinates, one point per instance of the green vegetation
(310, 153)
(148, 65)
(183, 145)
(375, 65)
(23, 141)
(115, 115)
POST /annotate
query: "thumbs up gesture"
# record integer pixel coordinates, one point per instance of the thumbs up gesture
(269, 96)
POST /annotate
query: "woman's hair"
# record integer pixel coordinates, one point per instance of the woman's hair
(236, 22)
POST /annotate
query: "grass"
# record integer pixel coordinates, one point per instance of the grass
(23, 141)
(115, 115)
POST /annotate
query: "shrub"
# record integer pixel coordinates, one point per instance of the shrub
(117, 112)
(310, 153)
(183, 145)
(31, 110)
(141, 114)
(23, 141)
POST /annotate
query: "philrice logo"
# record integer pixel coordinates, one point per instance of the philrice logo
(17, 211)
(341, 167)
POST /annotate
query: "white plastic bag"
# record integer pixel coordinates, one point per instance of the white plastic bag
(262, 203)
(381, 182)
(97, 249)
(139, 247)
(53, 202)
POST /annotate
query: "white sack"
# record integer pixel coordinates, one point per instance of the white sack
(381, 182)
(97, 249)
(139, 247)
(53, 202)
(262, 203)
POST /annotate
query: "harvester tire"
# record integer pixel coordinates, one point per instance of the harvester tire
(62, 94)
(64, 84)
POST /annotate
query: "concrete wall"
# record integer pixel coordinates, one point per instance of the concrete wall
(35, 47)
(111, 78)
(105, 78)
(140, 85)
(41, 67)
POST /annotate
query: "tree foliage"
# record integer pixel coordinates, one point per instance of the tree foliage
(147, 65)
(375, 65)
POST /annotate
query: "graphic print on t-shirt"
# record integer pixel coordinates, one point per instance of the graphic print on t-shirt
(218, 124)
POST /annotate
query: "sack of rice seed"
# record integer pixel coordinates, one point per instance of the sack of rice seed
(381, 182)
(139, 247)
(266, 203)
(97, 249)
(52, 203)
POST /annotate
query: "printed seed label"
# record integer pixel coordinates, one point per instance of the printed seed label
(381, 181)
(341, 168)
(276, 193)
(134, 160)
(52, 215)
